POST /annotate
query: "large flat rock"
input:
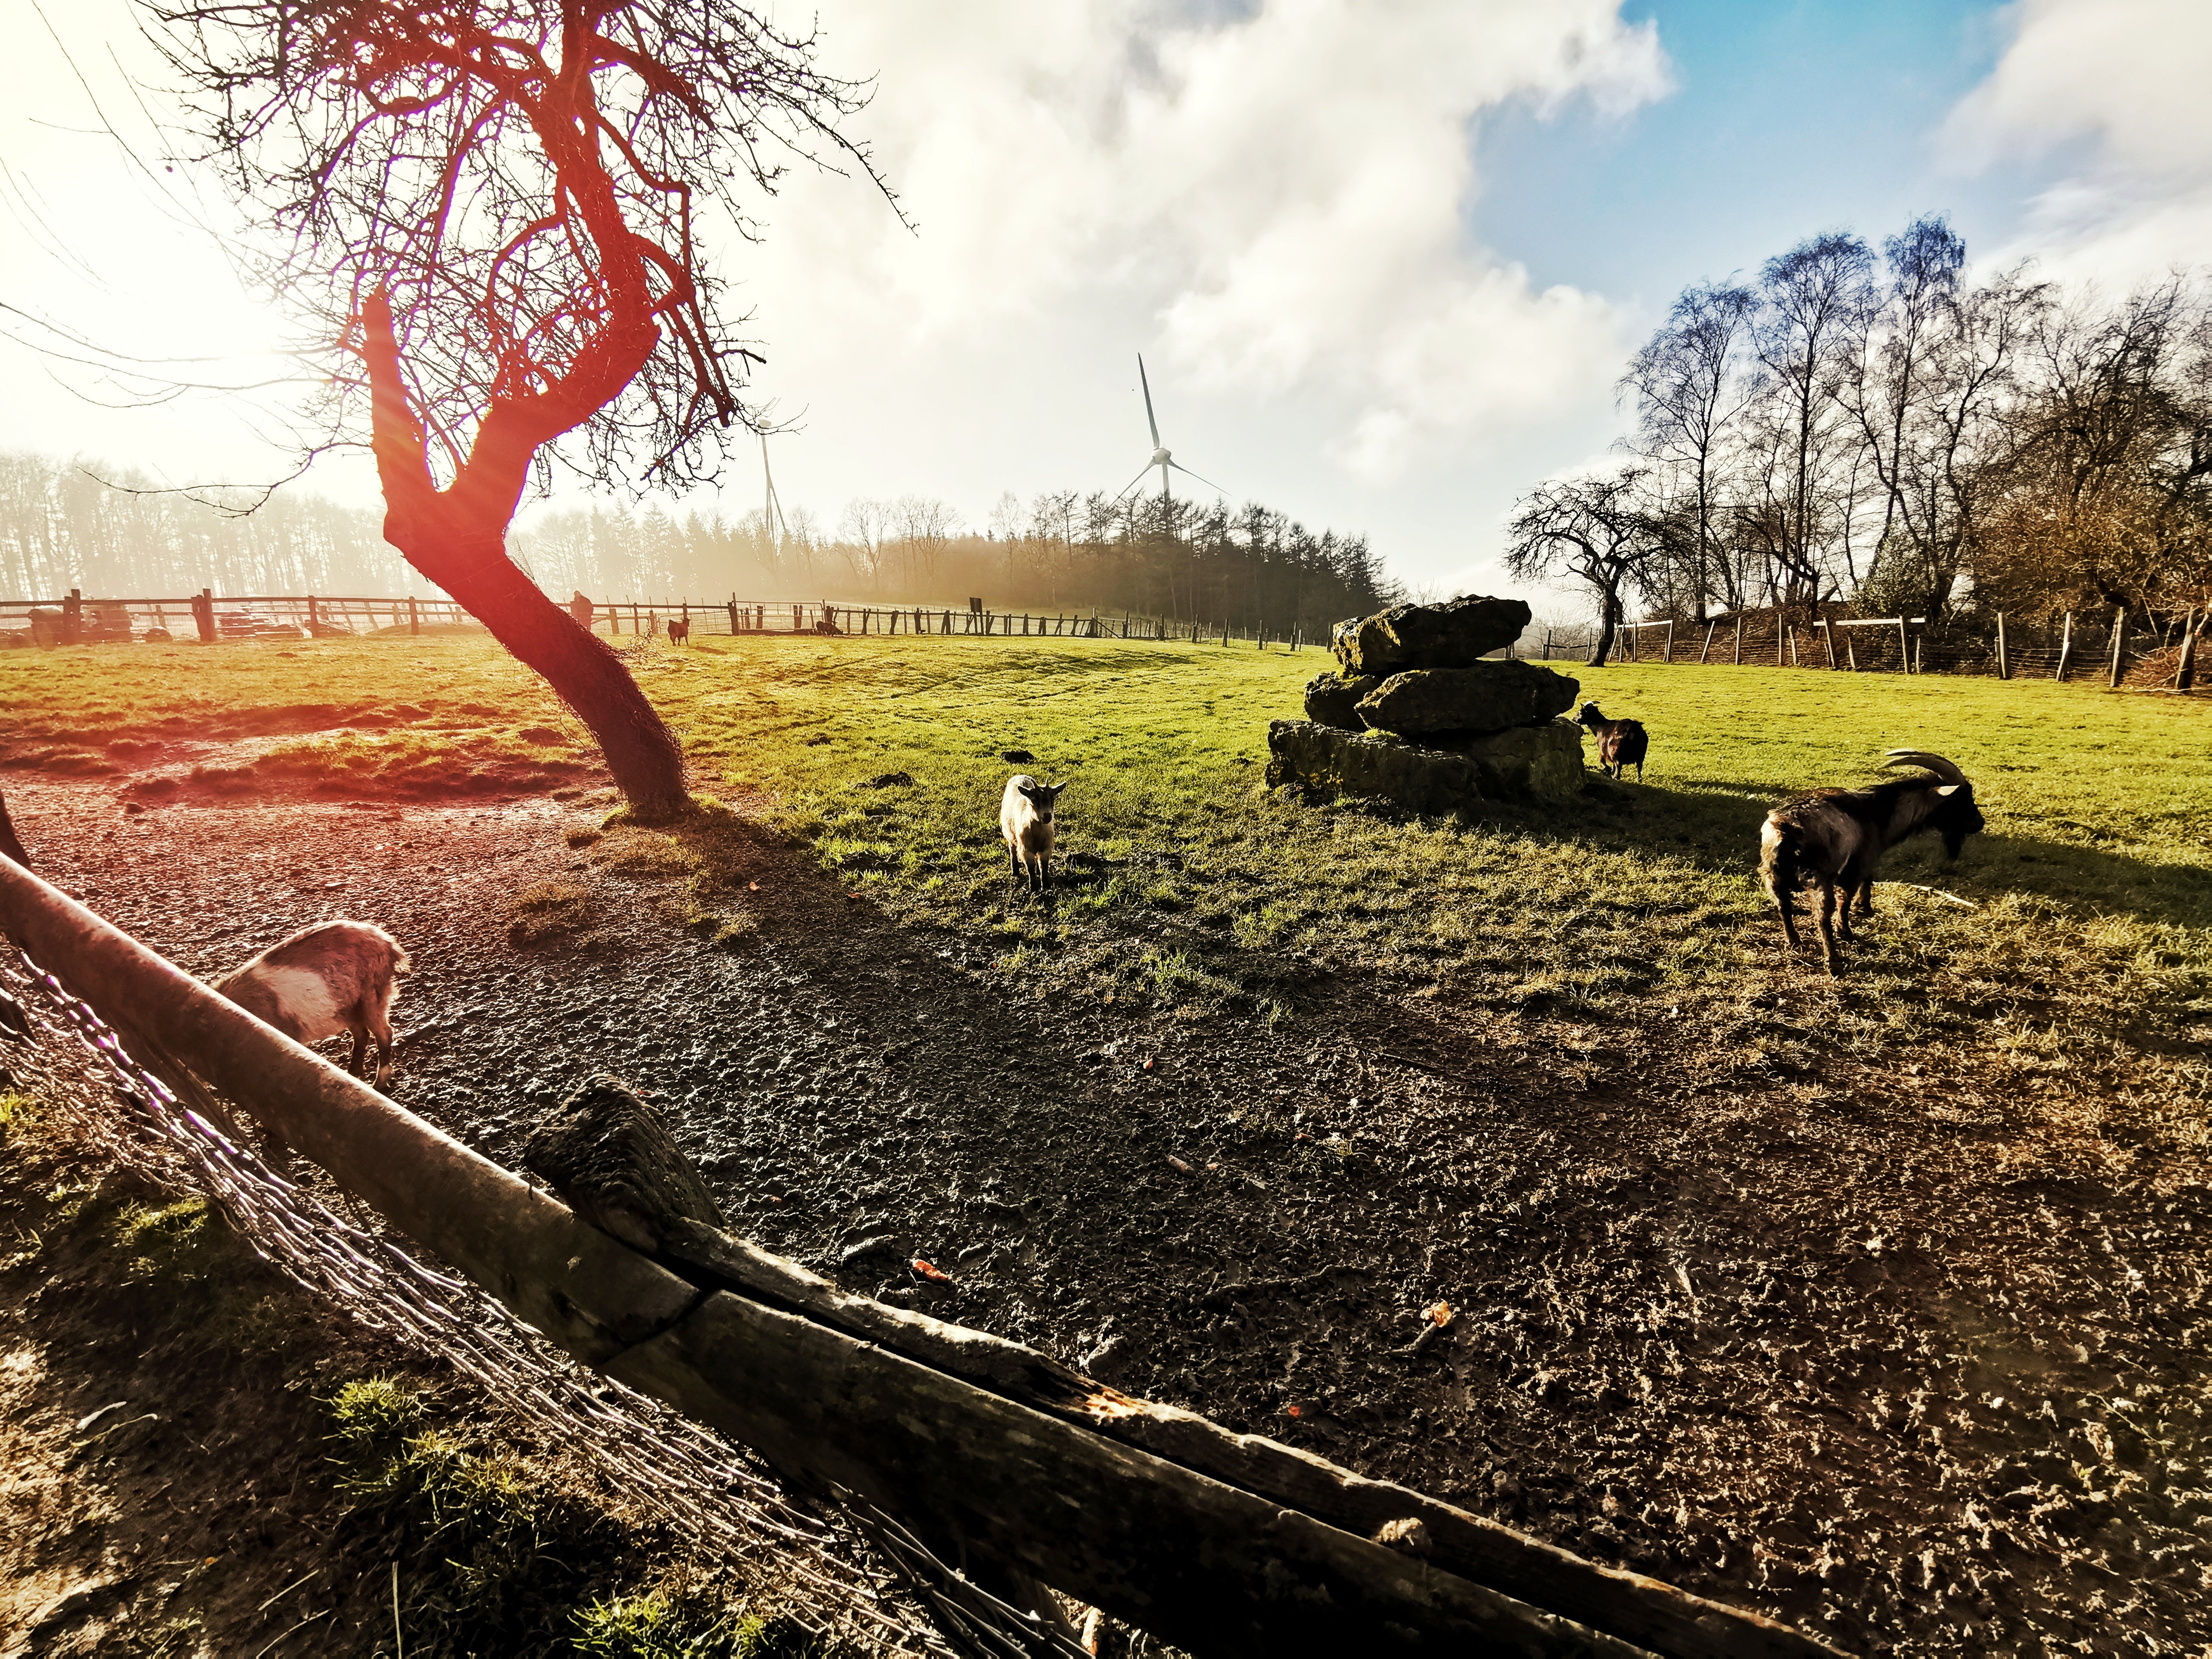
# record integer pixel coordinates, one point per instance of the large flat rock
(1489, 697)
(1333, 700)
(1528, 762)
(1450, 636)
(1371, 763)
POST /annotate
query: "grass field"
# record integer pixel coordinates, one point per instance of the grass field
(2078, 927)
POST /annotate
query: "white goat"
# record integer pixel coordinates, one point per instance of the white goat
(1026, 822)
(335, 976)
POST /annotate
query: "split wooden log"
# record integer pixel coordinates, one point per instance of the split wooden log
(1217, 1542)
(680, 1235)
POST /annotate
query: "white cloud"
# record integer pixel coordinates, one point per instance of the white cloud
(1279, 198)
(1271, 199)
(2112, 93)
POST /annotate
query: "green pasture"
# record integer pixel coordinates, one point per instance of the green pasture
(2083, 914)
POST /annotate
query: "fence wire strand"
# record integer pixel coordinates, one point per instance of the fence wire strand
(845, 1569)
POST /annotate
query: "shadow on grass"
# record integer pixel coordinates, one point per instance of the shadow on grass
(1718, 826)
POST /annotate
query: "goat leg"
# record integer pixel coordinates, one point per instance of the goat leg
(1824, 919)
(387, 1049)
(1788, 921)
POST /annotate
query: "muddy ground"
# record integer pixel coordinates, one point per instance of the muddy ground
(1911, 1358)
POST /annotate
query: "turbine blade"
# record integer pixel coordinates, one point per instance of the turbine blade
(1208, 483)
(1134, 481)
(1147, 385)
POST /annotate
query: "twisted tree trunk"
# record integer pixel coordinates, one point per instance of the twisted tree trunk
(457, 537)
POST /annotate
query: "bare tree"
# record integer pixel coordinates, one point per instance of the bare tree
(1594, 528)
(924, 527)
(2105, 492)
(864, 539)
(494, 208)
(1811, 301)
(1932, 388)
(1689, 386)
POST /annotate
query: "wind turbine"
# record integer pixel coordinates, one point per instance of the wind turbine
(771, 508)
(1162, 458)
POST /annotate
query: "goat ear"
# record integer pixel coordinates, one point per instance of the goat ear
(1948, 789)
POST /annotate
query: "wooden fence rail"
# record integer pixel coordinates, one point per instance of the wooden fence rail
(1891, 645)
(1218, 1543)
(73, 619)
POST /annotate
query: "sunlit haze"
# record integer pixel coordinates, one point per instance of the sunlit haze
(1384, 264)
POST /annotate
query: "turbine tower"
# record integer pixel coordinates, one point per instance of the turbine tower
(1162, 457)
(771, 508)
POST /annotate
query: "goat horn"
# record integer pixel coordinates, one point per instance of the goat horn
(1936, 764)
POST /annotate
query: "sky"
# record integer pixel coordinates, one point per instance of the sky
(1385, 264)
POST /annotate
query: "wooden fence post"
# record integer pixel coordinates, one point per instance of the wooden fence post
(1828, 639)
(2119, 644)
(1669, 654)
(2066, 647)
(2004, 663)
(1916, 639)
(1739, 642)
(2186, 665)
(1904, 646)
(1705, 651)
(414, 616)
(1851, 653)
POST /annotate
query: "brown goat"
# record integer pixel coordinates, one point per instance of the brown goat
(1621, 744)
(679, 631)
(335, 976)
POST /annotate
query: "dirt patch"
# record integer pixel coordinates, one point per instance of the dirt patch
(1909, 1355)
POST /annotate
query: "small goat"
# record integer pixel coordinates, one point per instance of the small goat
(1621, 744)
(335, 976)
(679, 631)
(1026, 820)
(1836, 837)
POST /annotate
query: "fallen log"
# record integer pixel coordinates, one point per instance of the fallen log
(1219, 1543)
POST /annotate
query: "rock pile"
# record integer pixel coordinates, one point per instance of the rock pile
(1417, 715)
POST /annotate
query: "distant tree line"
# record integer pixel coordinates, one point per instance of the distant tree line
(66, 524)
(113, 534)
(1063, 551)
(1882, 430)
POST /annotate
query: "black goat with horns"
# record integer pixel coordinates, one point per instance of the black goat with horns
(1836, 837)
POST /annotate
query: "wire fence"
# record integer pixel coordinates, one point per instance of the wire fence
(849, 1573)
